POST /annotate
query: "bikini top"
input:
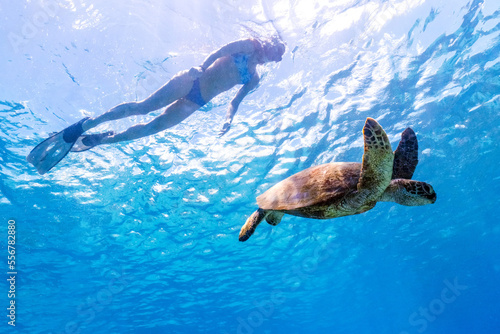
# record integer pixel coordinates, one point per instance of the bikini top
(241, 62)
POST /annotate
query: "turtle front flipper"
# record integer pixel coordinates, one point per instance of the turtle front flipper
(376, 169)
(251, 224)
(406, 156)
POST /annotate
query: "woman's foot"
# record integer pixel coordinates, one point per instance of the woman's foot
(86, 142)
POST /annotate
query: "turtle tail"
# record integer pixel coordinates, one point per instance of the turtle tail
(251, 224)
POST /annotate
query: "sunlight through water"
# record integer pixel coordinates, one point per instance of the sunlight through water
(142, 236)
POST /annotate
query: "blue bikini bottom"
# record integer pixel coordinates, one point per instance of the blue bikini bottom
(194, 94)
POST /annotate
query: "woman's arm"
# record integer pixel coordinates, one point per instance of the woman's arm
(242, 46)
(235, 103)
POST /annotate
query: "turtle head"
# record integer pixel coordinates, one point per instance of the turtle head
(409, 193)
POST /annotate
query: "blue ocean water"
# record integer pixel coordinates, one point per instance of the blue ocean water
(142, 237)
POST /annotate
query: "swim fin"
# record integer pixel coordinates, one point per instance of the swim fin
(86, 142)
(49, 152)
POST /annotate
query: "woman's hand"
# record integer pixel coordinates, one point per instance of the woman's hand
(225, 128)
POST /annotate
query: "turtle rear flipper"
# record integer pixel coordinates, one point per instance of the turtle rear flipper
(406, 156)
(274, 218)
(251, 224)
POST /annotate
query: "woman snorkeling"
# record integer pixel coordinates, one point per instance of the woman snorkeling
(231, 65)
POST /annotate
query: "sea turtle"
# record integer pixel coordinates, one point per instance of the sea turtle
(347, 188)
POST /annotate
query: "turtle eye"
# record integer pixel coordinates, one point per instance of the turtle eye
(432, 196)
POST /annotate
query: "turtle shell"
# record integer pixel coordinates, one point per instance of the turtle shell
(317, 185)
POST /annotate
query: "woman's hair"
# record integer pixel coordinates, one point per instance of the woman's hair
(273, 41)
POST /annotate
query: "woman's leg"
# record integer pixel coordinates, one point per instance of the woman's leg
(178, 87)
(173, 115)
